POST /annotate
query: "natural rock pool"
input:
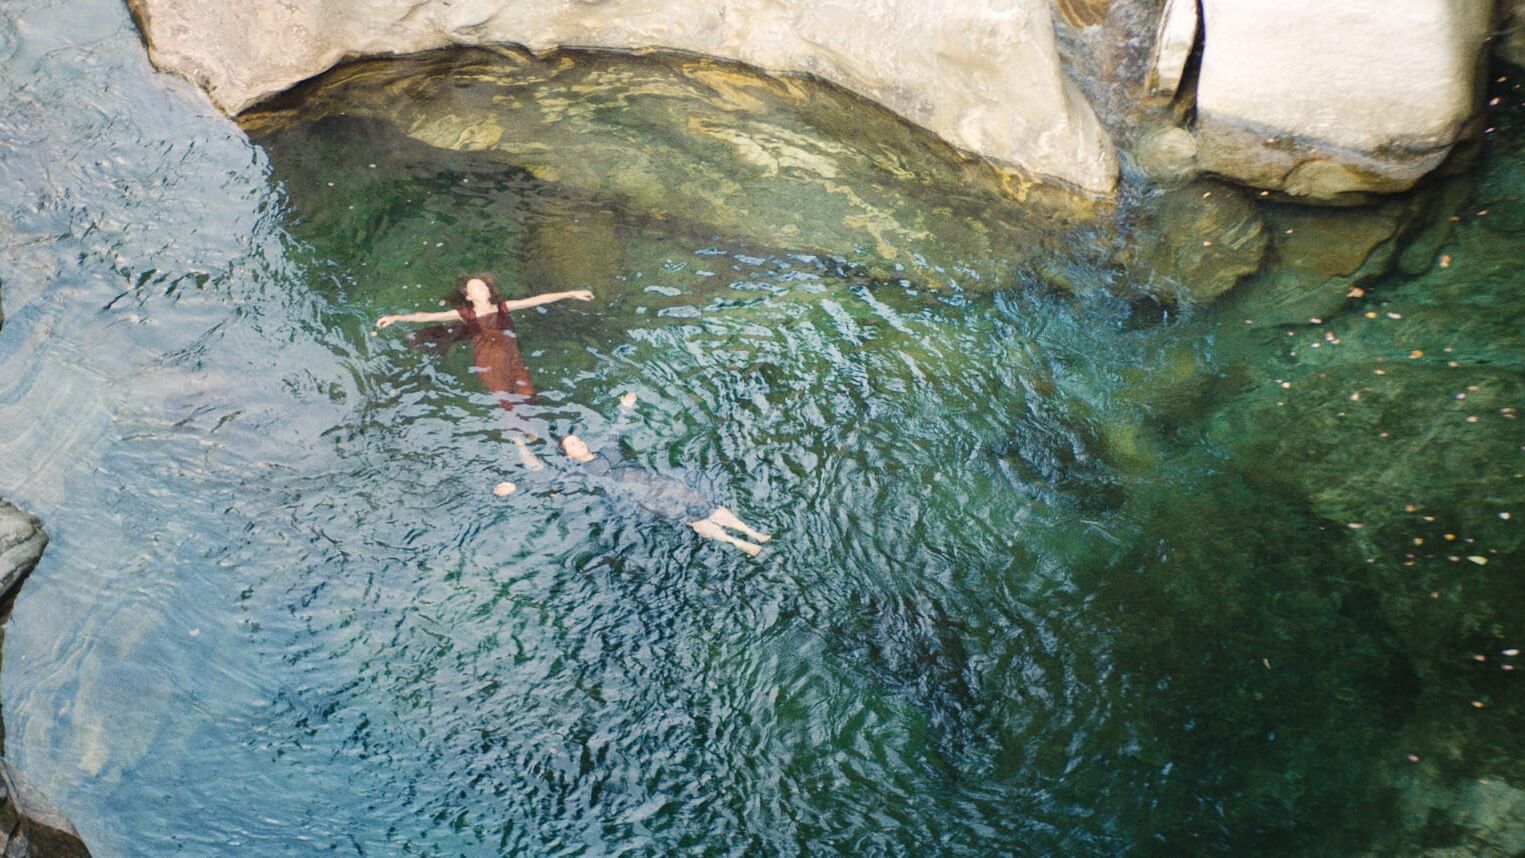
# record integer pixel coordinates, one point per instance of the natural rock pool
(1061, 566)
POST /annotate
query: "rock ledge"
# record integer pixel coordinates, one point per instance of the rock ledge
(984, 74)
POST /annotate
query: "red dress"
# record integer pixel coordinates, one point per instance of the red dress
(495, 356)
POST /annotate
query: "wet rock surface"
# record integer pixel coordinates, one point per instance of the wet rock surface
(30, 826)
(22, 541)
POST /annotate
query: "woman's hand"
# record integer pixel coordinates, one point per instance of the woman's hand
(581, 295)
(387, 321)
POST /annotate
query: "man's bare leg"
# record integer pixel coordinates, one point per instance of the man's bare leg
(526, 458)
(710, 530)
(725, 518)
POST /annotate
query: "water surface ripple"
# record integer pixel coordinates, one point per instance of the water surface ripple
(1055, 572)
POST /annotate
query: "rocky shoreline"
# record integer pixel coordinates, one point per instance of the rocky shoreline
(30, 825)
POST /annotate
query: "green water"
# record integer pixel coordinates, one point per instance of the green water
(1057, 569)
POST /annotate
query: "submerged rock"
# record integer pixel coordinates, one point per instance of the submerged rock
(1207, 237)
(1314, 261)
(914, 648)
(983, 75)
(1483, 816)
(1321, 261)
(1511, 31)
(702, 147)
(1167, 154)
(1316, 100)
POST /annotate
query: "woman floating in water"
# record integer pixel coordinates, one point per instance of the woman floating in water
(482, 315)
(667, 497)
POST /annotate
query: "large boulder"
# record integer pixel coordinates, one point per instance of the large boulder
(984, 75)
(1323, 100)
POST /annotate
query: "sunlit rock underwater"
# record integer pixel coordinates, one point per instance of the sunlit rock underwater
(701, 147)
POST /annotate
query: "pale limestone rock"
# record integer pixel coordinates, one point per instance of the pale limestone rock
(1173, 42)
(982, 74)
(1320, 99)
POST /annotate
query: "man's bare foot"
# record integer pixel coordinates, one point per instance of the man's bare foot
(710, 530)
(726, 518)
(504, 489)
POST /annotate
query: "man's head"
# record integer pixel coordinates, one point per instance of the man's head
(575, 449)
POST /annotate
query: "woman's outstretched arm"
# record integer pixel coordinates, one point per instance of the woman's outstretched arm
(442, 316)
(550, 298)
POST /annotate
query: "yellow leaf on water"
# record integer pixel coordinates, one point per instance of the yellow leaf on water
(1478, 559)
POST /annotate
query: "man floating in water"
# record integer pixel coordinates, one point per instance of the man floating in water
(617, 476)
(483, 315)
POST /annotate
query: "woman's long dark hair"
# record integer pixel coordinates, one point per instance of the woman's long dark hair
(458, 294)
